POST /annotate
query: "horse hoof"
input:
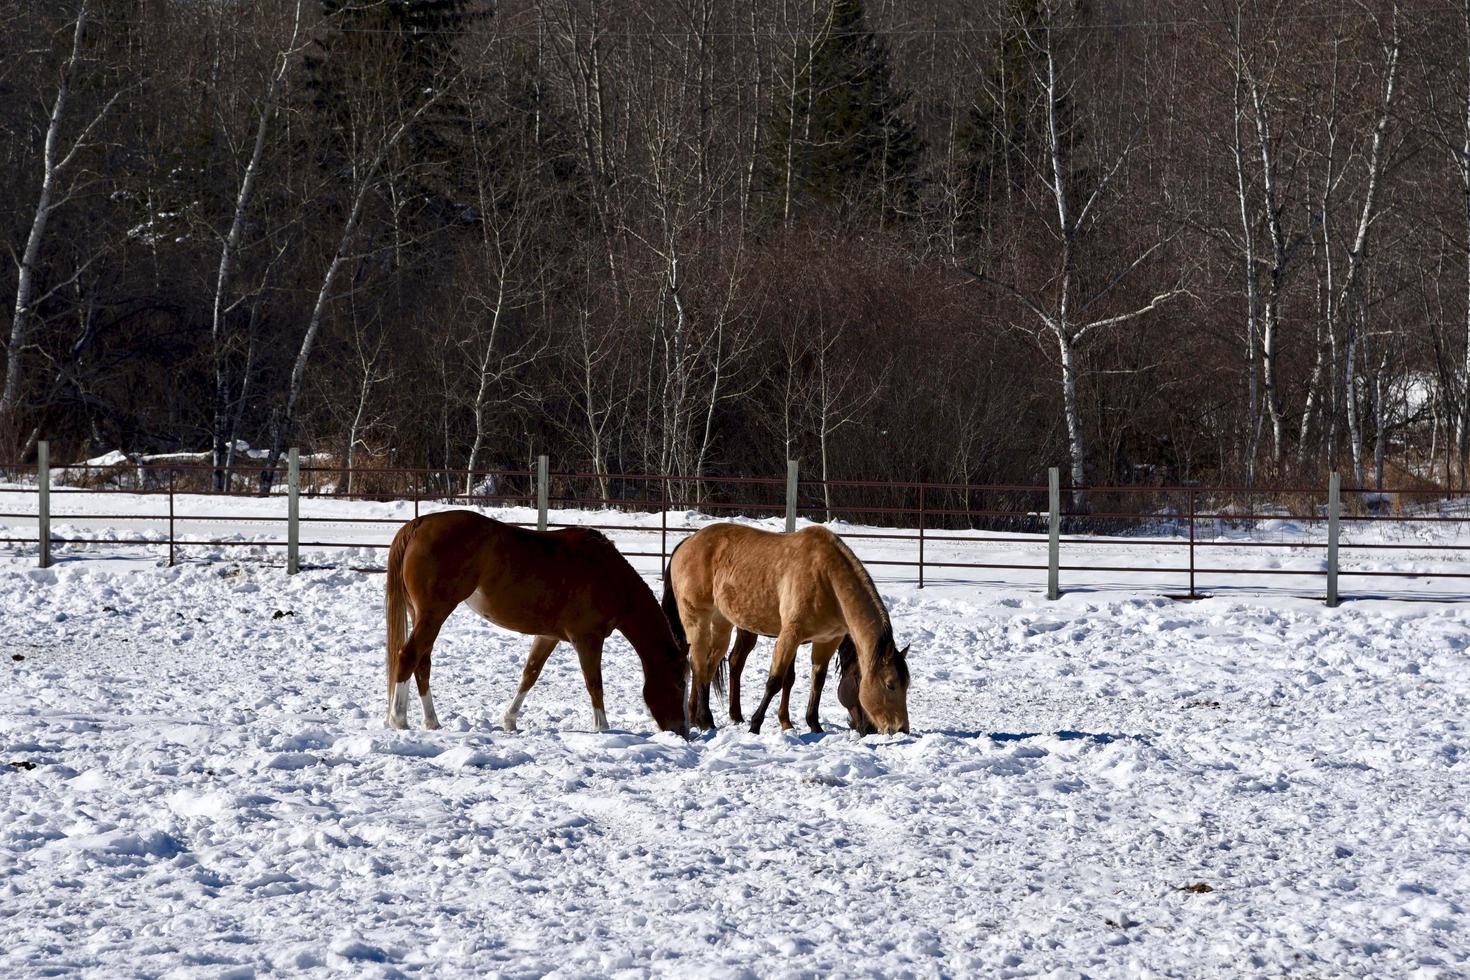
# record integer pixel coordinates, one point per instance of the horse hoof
(397, 723)
(432, 725)
(508, 723)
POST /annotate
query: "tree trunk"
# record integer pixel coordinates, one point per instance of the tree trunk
(285, 425)
(25, 288)
(228, 251)
(1076, 446)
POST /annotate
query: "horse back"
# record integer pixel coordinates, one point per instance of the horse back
(564, 583)
(760, 580)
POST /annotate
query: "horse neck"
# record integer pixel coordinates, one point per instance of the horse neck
(862, 610)
(644, 625)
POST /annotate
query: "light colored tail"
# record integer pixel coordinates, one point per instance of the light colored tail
(397, 599)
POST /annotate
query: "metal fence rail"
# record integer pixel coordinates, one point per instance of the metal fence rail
(921, 515)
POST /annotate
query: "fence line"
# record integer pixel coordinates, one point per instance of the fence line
(663, 492)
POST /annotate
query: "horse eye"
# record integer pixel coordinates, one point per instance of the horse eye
(892, 686)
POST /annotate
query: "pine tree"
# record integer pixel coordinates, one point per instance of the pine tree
(842, 144)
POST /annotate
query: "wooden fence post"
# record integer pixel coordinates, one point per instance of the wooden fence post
(43, 507)
(293, 511)
(791, 471)
(1053, 534)
(1334, 513)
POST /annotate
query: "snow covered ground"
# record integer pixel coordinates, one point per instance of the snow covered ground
(199, 783)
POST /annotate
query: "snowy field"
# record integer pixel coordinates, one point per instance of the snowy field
(1113, 784)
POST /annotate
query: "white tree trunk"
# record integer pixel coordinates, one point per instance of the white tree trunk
(1076, 441)
(285, 424)
(228, 250)
(22, 320)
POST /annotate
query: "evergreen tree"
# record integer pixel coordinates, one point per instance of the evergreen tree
(842, 144)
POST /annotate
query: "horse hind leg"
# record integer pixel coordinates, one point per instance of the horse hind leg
(421, 675)
(787, 681)
(541, 648)
(413, 656)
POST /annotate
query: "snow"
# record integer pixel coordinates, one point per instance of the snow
(1110, 784)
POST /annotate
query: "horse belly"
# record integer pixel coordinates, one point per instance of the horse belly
(757, 610)
(520, 620)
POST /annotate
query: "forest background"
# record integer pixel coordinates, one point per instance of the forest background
(1146, 240)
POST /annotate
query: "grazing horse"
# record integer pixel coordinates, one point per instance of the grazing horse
(568, 585)
(846, 690)
(805, 587)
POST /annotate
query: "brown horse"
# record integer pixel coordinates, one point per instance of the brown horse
(806, 587)
(568, 585)
(847, 688)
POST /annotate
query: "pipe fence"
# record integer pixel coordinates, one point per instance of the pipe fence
(917, 517)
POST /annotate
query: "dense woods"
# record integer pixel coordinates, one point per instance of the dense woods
(943, 240)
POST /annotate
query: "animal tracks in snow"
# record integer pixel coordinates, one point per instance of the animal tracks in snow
(221, 797)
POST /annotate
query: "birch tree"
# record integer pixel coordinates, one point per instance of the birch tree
(1063, 308)
(229, 251)
(58, 158)
(372, 145)
(1343, 307)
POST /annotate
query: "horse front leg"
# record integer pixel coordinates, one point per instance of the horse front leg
(702, 664)
(719, 641)
(589, 652)
(782, 660)
(744, 643)
(541, 648)
(821, 658)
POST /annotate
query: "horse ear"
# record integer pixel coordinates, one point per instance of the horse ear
(904, 653)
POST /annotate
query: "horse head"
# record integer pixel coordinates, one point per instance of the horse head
(882, 693)
(666, 687)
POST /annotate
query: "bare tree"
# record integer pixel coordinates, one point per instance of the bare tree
(56, 163)
(1060, 312)
(377, 140)
(230, 247)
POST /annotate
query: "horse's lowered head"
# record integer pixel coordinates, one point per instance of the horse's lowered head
(876, 702)
(666, 688)
(883, 691)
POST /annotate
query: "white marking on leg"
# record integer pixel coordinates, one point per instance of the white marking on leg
(431, 720)
(398, 706)
(599, 719)
(515, 709)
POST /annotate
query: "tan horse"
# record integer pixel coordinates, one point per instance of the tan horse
(847, 688)
(568, 585)
(806, 587)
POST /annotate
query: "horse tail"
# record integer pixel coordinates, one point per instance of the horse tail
(719, 679)
(671, 604)
(396, 596)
